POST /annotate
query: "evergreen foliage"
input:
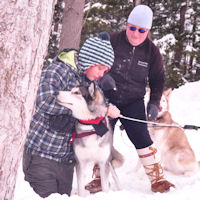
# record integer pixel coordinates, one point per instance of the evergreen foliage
(180, 18)
(108, 16)
(55, 32)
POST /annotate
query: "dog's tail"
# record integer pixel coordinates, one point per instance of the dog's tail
(117, 158)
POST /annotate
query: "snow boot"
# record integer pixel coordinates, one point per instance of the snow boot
(95, 185)
(150, 159)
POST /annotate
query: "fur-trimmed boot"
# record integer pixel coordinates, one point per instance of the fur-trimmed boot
(150, 159)
(95, 185)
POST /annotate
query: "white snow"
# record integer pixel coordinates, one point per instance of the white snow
(185, 109)
(165, 42)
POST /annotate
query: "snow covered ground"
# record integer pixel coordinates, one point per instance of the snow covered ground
(185, 109)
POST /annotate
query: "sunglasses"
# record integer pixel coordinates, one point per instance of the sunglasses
(133, 28)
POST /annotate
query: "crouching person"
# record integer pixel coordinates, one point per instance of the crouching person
(48, 160)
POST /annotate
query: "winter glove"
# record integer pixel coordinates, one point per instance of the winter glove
(152, 112)
(62, 123)
(107, 83)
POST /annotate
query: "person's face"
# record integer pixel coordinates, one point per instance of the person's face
(135, 34)
(96, 72)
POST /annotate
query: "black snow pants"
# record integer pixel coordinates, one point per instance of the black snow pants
(136, 131)
(48, 176)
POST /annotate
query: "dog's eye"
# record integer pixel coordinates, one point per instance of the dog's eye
(76, 92)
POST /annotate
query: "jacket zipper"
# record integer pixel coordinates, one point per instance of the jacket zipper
(130, 62)
(133, 50)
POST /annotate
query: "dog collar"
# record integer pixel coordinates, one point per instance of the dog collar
(92, 121)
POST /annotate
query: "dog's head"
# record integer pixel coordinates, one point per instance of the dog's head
(85, 102)
(164, 102)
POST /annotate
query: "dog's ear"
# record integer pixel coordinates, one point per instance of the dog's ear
(168, 92)
(88, 92)
(92, 89)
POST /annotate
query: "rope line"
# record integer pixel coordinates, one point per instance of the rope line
(154, 124)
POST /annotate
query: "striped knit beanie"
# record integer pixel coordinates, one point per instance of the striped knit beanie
(96, 51)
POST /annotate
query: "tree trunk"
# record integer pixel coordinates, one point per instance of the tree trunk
(72, 24)
(194, 30)
(24, 35)
(179, 49)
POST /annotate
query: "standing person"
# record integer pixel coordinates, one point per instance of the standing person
(48, 160)
(137, 62)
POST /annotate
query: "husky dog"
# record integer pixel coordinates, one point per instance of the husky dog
(176, 153)
(94, 136)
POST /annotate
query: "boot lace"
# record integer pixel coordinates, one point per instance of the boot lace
(155, 172)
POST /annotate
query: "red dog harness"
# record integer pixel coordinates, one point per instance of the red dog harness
(88, 122)
(92, 121)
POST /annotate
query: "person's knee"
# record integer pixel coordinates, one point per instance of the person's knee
(65, 178)
(39, 173)
(42, 193)
(44, 188)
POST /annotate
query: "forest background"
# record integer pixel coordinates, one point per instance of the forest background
(173, 21)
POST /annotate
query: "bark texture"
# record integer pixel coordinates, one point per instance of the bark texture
(24, 34)
(72, 24)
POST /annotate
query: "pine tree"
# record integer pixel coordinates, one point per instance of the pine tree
(180, 18)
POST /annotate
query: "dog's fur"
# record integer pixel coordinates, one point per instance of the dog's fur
(176, 153)
(88, 104)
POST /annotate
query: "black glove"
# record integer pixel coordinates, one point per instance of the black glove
(62, 123)
(107, 83)
(152, 112)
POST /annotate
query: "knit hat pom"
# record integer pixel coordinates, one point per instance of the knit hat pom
(104, 36)
(96, 51)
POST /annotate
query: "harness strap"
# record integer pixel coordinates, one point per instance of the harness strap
(80, 135)
(95, 122)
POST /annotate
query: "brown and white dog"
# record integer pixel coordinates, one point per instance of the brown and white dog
(176, 153)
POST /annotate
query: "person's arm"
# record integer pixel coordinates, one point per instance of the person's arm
(107, 83)
(156, 78)
(49, 86)
(156, 84)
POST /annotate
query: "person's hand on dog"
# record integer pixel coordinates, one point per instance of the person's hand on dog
(152, 112)
(113, 111)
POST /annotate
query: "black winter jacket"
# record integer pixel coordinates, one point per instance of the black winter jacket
(133, 68)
